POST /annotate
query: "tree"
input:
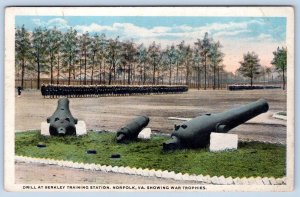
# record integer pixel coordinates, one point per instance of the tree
(142, 60)
(196, 64)
(178, 61)
(39, 51)
(216, 57)
(56, 52)
(128, 53)
(268, 71)
(204, 47)
(263, 73)
(250, 66)
(280, 62)
(186, 53)
(23, 50)
(53, 41)
(70, 49)
(95, 46)
(220, 71)
(171, 57)
(113, 55)
(101, 55)
(85, 47)
(154, 54)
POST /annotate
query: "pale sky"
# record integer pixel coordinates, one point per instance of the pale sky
(238, 35)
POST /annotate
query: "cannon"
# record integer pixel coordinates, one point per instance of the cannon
(62, 122)
(195, 133)
(132, 129)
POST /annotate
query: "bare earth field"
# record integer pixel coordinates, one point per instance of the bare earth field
(61, 175)
(111, 113)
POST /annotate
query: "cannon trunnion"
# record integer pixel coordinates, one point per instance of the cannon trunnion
(62, 122)
(195, 133)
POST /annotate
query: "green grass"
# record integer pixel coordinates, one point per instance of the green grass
(282, 113)
(251, 158)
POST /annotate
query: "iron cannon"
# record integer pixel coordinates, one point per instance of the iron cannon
(132, 129)
(195, 133)
(62, 122)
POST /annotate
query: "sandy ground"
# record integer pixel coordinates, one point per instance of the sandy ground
(54, 174)
(111, 113)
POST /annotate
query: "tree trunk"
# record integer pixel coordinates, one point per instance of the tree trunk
(84, 68)
(51, 71)
(114, 69)
(128, 74)
(100, 70)
(199, 81)
(214, 86)
(141, 75)
(124, 75)
(170, 76)
(110, 75)
(38, 77)
(187, 74)
(23, 73)
(218, 78)
(69, 80)
(104, 74)
(133, 73)
(144, 80)
(153, 75)
(177, 70)
(57, 69)
(205, 72)
(93, 64)
(283, 80)
(80, 73)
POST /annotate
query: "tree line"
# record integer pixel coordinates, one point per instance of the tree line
(97, 59)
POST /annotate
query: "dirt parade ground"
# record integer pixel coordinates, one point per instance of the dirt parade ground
(111, 113)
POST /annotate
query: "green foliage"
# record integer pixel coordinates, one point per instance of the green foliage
(204, 46)
(280, 62)
(251, 158)
(53, 41)
(23, 51)
(216, 58)
(282, 113)
(155, 56)
(84, 57)
(187, 58)
(39, 47)
(280, 59)
(69, 50)
(39, 52)
(250, 66)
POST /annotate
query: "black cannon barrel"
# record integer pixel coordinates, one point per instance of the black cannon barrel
(62, 122)
(195, 133)
(132, 129)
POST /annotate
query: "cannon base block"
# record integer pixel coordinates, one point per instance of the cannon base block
(145, 134)
(223, 142)
(80, 128)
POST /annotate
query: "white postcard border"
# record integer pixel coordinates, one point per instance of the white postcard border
(9, 95)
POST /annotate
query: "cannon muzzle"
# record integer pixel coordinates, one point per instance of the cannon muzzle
(62, 122)
(132, 129)
(195, 133)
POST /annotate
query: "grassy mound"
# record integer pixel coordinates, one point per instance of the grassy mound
(251, 158)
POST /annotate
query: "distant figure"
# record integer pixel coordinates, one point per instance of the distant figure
(43, 90)
(19, 90)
